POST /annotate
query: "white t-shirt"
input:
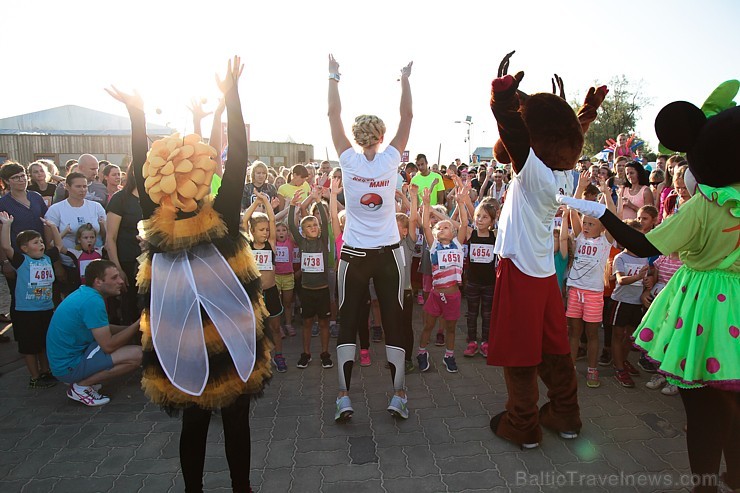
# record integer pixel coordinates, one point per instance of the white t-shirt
(525, 225)
(63, 214)
(589, 263)
(370, 198)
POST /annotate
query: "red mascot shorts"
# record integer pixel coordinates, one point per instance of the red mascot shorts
(528, 318)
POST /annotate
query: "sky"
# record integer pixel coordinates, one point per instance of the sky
(57, 53)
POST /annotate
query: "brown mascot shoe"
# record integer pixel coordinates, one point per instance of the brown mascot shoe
(496, 424)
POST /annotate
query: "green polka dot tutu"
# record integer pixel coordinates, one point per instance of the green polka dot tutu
(692, 329)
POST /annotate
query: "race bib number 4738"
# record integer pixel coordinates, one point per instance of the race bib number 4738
(312, 262)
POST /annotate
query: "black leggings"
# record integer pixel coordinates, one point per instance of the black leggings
(480, 299)
(356, 268)
(237, 443)
(713, 418)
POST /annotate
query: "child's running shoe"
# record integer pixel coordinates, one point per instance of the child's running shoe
(290, 329)
(326, 361)
(47, 376)
(315, 329)
(669, 389)
(334, 330)
(440, 341)
(606, 357)
(398, 408)
(646, 365)
(304, 360)
(280, 364)
(344, 410)
(592, 378)
(423, 359)
(409, 366)
(450, 364)
(656, 382)
(581, 353)
(40, 383)
(87, 396)
(471, 349)
(484, 349)
(624, 378)
(365, 357)
(631, 369)
(420, 299)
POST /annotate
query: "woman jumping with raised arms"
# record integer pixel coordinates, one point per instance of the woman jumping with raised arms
(371, 249)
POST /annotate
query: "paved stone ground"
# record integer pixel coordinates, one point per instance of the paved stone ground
(50, 443)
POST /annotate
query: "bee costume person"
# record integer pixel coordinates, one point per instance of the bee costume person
(202, 326)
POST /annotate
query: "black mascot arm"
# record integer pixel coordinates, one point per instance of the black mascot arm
(628, 237)
(228, 200)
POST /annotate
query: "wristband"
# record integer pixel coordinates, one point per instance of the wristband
(335, 75)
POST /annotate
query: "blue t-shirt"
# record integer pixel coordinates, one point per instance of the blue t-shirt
(70, 330)
(33, 288)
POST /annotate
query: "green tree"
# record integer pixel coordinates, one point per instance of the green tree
(618, 113)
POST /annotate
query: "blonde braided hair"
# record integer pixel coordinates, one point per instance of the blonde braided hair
(368, 130)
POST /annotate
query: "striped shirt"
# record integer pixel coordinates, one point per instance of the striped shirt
(666, 268)
(447, 264)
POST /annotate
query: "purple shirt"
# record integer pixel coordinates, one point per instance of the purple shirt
(24, 217)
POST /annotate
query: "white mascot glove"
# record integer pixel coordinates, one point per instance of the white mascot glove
(587, 207)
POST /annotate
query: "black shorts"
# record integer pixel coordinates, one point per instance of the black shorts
(272, 301)
(315, 303)
(29, 329)
(625, 314)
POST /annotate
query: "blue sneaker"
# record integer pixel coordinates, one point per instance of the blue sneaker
(279, 361)
(315, 329)
(398, 408)
(450, 364)
(423, 359)
(334, 330)
(344, 410)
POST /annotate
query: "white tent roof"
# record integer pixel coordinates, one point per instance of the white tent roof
(73, 120)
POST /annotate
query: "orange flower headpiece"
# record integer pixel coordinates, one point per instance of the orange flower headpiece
(178, 171)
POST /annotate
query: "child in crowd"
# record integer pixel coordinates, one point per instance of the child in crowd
(337, 223)
(84, 251)
(445, 248)
(407, 228)
(314, 250)
(610, 282)
(262, 228)
(298, 181)
(627, 308)
(585, 304)
(284, 274)
(481, 275)
(663, 269)
(648, 217)
(33, 298)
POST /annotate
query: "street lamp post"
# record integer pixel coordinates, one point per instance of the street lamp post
(469, 122)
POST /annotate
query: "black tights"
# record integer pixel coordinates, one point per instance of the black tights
(713, 418)
(237, 443)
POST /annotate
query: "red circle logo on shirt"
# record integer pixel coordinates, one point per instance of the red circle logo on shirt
(371, 201)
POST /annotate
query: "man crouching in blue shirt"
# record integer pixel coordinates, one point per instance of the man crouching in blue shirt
(84, 350)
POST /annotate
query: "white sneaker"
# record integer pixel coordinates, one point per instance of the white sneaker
(656, 382)
(669, 390)
(87, 395)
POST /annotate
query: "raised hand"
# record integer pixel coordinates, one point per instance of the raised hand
(297, 198)
(406, 71)
(336, 185)
(130, 100)
(275, 203)
(6, 218)
(234, 70)
(333, 65)
(196, 108)
(426, 197)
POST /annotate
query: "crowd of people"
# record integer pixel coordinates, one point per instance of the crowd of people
(348, 250)
(95, 212)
